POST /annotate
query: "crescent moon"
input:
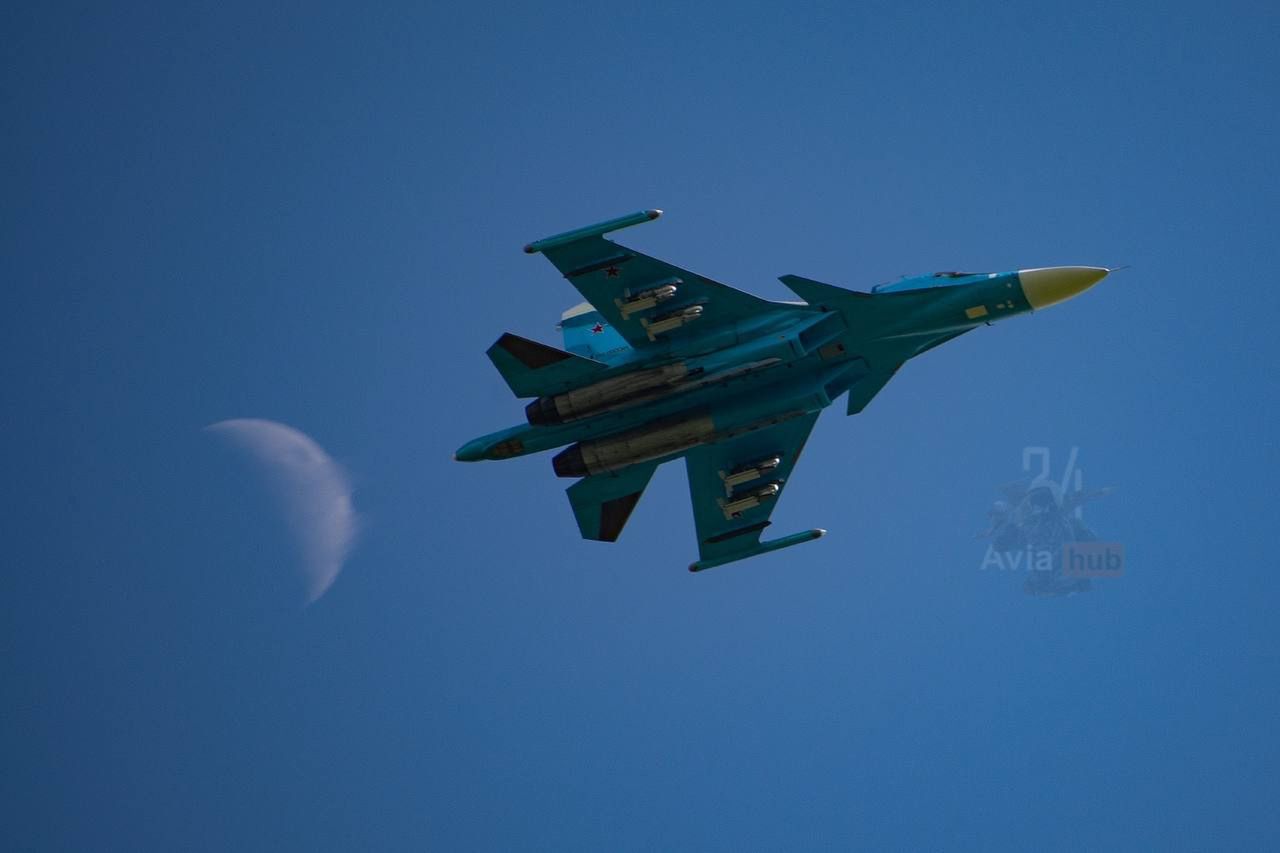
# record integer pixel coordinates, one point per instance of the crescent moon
(312, 488)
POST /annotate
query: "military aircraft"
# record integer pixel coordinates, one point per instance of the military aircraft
(662, 363)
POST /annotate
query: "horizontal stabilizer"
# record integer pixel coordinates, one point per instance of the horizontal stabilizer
(603, 503)
(534, 369)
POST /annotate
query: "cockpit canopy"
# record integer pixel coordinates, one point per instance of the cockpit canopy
(921, 282)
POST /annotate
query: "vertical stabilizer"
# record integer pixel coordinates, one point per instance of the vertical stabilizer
(586, 333)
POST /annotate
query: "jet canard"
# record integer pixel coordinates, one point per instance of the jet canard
(661, 363)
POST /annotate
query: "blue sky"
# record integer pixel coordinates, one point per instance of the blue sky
(314, 215)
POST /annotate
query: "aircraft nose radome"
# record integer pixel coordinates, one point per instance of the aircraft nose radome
(1050, 285)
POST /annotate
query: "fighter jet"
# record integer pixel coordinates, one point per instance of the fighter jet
(661, 363)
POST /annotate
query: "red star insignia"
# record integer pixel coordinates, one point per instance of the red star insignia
(597, 328)
(612, 272)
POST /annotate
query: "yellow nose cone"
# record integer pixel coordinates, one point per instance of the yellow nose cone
(1050, 285)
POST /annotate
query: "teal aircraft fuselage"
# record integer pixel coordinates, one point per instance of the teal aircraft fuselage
(663, 363)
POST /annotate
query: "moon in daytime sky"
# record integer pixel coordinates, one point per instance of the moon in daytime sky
(312, 489)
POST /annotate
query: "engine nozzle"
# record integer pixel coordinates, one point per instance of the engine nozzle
(542, 412)
(569, 462)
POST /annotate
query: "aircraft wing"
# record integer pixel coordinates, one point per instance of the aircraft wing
(725, 535)
(609, 275)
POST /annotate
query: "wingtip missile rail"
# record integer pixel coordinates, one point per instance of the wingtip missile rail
(762, 548)
(637, 218)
